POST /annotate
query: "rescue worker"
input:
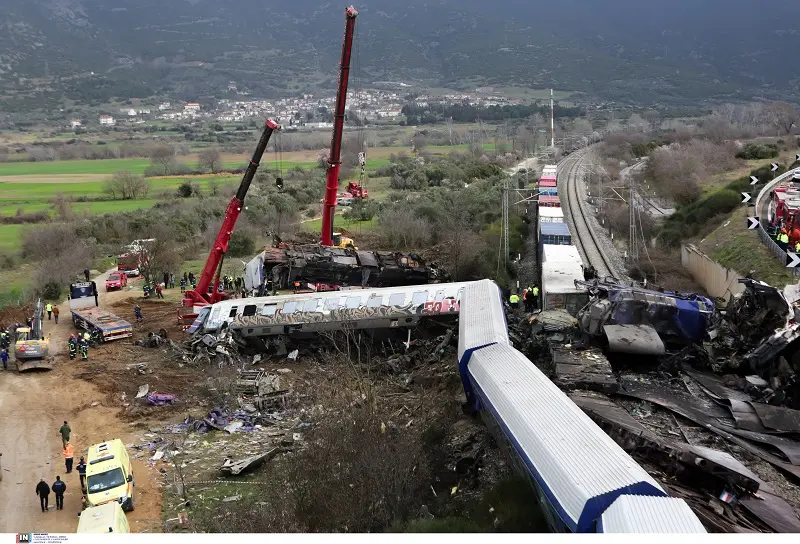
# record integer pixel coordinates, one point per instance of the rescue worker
(514, 301)
(86, 273)
(183, 286)
(535, 300)
(65, 431)
(138, 311)
(158, 291)
(49, 309)
(43, 490)
(82, 473)
(84, 349)
(73, 346)
(797, 246)
(4, 358)
(59, 488)
(55, 314)
(69, 456)
(783, 240)
(5, 339)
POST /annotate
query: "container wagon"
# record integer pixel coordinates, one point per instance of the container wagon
(551, 215)
(555, 253)
(558, 286)
(549, 201)
(555, 234)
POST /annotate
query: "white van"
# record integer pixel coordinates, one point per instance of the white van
(106, 518)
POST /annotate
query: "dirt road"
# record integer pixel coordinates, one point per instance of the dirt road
(32, 408)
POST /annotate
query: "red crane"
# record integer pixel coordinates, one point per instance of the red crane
(200, 295)
(335, 157)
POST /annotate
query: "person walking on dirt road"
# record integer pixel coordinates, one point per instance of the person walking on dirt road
(49, 309)
(138, 311)
(65, 432)
(86, 273)
(43, 490)
(69, 457)
(59, 488)
(55, 314)
(82, 473)
(4, 358)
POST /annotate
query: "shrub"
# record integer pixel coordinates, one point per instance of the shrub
(51, 291)
(753, 151)
(241, 245)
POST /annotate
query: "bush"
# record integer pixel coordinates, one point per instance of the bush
(241, 245)
(185, 189)
(752, 151)
(51, 291)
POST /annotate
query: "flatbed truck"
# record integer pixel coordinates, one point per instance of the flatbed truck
(87, 315)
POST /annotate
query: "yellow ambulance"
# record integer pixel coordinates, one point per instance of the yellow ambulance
(106, 518)
(109, 475)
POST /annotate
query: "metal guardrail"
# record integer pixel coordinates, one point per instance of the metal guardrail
(780, 254)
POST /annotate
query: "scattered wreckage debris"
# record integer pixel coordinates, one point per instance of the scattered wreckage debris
(243, 466)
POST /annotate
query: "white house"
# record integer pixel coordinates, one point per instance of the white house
(106, 120)
(164, 106)
(144, 112)
(191, 106)
(75, 123)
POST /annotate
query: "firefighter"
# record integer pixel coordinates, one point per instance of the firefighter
(783, 240)
(797, 246)
(73, 346)
(4, 339)
(514, 301)
(535, 291)
(84, 349)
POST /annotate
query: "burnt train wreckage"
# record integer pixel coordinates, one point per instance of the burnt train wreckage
(280, 267)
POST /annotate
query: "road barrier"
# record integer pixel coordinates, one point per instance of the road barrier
(779, 253)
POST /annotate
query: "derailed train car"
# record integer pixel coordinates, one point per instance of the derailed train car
(279, 268)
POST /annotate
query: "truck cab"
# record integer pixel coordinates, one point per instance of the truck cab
(106, 518)
(109, 475)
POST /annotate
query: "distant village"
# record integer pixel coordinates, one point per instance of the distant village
(306, 112)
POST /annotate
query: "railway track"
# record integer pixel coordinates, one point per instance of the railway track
(583, 235)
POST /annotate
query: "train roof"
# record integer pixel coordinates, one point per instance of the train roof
(549, 211)
(560, 253)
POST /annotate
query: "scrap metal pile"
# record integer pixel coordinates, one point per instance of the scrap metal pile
(714, 415)
(282, 266)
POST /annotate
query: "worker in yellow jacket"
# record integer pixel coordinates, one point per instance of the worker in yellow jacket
(513, 300)
(49, 309)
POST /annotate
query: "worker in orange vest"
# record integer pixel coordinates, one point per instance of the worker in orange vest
(69, 456)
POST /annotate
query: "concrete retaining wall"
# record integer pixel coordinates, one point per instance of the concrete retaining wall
(717, 280)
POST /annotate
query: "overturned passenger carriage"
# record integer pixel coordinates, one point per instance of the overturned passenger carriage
(281, 267)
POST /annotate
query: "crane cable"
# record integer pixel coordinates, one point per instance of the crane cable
(362, 155)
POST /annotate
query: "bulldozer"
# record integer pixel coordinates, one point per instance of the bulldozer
(31, 348)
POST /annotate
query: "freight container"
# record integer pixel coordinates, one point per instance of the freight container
(548, 191)
(549, 168)
(555, 234)
(551, 215)
(547, 183)
(552, 253)
(548, 177)
(558, 286)
(549, 201)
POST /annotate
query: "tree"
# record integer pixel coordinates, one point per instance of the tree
(126, 186)
(163, 156)
(210, 159)
(783, 115)
(159, 255)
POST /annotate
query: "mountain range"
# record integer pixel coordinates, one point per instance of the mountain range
(630, 51)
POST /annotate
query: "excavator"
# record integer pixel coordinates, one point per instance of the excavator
(31, 348)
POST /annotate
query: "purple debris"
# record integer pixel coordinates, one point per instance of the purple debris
(160, 399)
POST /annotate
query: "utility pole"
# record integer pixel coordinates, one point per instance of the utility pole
(552, 121)
(633, 241)
(505, 222)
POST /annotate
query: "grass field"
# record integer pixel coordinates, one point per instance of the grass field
(353, 227)
(9, 237)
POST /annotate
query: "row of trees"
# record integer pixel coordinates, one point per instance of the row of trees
(466, 113)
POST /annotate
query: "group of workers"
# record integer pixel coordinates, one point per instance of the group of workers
(782, 238)
(59, 487)
(530, 299)
(79, 341)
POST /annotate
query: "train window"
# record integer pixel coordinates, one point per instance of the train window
(289, 307)
(311, 305)
(439, 296)
(214, 315)
(331, 303)
(249, 310)
(375, 302)
(353, 302)
(419, 298)
(269, 309)
(397, 299)
(233, 312)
